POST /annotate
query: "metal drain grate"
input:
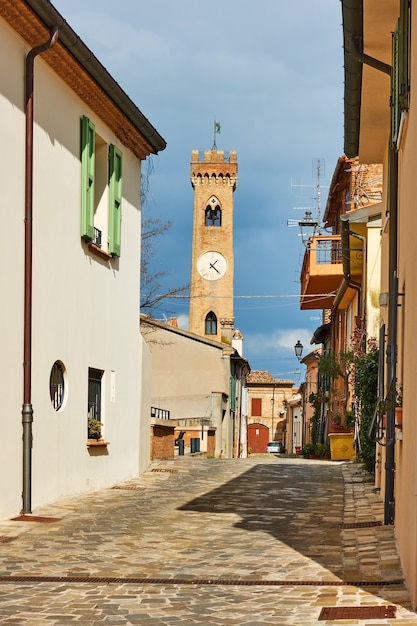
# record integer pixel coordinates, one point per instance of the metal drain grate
(5, 539)
(128, 488)
(358, 524)
(162, 470)
(196, 581)
(35, 518)
(357, 612)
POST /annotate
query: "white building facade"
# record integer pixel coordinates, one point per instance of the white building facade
(77, 317)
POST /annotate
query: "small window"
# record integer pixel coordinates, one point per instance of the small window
(256, 407)
(57, 385)
(211, 324)
(213, 213)
(101, 190)
(94, 393)
(213, 216)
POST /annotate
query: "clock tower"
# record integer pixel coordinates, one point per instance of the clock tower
(214, 181)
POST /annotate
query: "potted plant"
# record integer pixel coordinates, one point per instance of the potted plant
(308, 451)
(399, 406)
(94, 428)
(322, 451)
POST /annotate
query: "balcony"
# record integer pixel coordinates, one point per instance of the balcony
(161, 414)
(322, 272)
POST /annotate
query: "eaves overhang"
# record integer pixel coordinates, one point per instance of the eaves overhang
(364, 214)
(18, 15)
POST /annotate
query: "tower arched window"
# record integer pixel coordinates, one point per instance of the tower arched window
(211, 324)
(213, 215)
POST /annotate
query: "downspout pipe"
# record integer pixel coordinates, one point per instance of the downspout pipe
(364, 273)
(389, 502)
(365, 59)
(27, 408)
(347, 280)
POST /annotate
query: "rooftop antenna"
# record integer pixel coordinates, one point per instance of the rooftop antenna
(318, 167)
(310, 224)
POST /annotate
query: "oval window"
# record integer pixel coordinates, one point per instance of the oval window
(56, 385)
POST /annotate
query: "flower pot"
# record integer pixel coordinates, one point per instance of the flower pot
(342, 446)
(398, 417)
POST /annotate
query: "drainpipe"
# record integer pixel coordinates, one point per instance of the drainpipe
(389, 504)
(365, 59)
(27, 409)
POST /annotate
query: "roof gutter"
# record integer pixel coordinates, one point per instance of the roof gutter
(69, 38)
(352, 16)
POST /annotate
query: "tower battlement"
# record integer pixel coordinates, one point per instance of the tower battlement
(213, 156)
(213, 166)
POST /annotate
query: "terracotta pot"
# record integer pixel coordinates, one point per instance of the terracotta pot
(398, 417)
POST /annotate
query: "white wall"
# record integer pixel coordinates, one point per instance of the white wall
(85, 309)
(190, 378)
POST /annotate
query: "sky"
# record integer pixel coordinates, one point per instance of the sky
(271, 73)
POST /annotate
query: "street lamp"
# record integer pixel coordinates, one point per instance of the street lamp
(298, 349)
(308, 226)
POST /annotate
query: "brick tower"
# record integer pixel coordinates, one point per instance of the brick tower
(214, 180)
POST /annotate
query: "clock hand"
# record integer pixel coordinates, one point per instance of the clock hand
(214, 268)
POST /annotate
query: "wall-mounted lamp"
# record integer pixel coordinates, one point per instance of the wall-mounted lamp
(298, 349)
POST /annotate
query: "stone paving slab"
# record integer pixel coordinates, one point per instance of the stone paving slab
(206, 541)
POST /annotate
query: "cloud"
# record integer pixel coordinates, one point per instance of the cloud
(272, 73)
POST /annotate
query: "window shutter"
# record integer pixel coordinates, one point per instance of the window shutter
(256, 407)
(232, 400)
(403, 51)
(115, 200)
(395, 107)
(87, 178)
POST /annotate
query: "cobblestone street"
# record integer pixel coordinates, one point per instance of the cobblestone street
(264, 540)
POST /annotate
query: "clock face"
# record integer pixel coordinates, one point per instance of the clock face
(212, 265)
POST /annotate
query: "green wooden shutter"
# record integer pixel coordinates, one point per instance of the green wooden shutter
(403, 52)
(115, 200)
(87, 178)
(400, 70)
(395, 107)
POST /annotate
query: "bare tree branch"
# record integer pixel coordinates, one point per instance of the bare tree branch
(152, 293)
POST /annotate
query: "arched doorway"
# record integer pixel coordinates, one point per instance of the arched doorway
(258, 437)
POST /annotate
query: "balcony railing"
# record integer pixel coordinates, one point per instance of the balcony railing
(322, 272)
(328, 251)
(161, 414)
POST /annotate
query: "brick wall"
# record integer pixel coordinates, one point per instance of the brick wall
(162, 442)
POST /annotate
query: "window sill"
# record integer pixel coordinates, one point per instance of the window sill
(99, 252)
(97, 442)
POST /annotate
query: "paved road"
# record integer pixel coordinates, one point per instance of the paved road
(265, 540)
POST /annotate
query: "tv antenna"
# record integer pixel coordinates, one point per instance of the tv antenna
(310, 224)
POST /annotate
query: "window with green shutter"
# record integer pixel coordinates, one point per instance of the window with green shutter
(395, 108)
(400, 84)
(115, 200)
(101, 192)
(403, 55)
(87, 178)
